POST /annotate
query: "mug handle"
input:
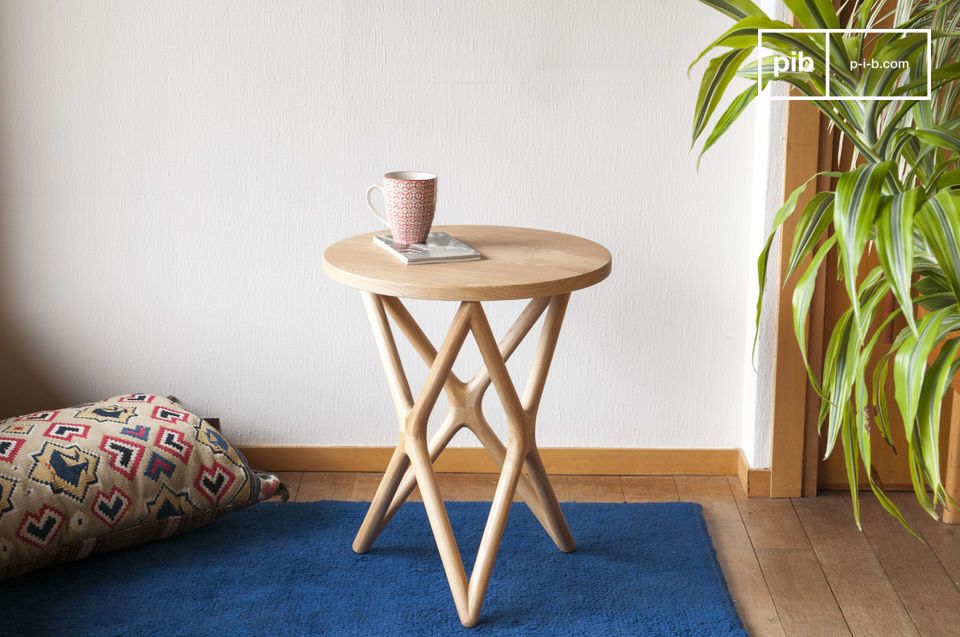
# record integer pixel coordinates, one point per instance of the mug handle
(370, 205)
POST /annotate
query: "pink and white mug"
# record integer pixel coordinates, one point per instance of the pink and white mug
(409, 203)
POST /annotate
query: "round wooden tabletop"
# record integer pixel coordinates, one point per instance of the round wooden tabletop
(517, 263)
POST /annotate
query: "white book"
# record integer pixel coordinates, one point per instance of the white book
(438, 248)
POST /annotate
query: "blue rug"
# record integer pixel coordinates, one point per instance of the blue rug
(287, 569)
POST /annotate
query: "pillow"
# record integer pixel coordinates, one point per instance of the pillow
(96, 477)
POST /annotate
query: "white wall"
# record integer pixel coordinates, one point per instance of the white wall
(170, 173)
(759, 373)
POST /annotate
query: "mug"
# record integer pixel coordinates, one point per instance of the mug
(409, 202)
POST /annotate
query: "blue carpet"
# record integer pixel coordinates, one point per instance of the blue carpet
(287, 569)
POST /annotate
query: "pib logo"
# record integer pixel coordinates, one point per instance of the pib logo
(796, 62)
(836, 63)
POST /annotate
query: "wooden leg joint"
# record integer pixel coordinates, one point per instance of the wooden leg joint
(412, 462)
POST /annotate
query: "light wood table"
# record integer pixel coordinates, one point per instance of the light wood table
(518, 263)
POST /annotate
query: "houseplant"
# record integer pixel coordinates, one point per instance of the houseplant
(898, 194)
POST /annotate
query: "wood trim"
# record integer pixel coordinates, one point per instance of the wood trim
(951, 407)
(865, 488)
(755, 482)
(560, 461)
(790, 396)
(817, 333)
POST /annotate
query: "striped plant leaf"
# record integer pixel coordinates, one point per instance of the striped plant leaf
(851, 461)
(939, 224)
(843, 359)
(948, 179)
(736, 9)
(782, 215)
(939, 137)
(862, 426)
(920, 488)
(742, 35)
(843, 363)
(891, 52)
(729, 116)
(878, 398)
(814, 14)
(894, 238)
(863, 13)
(717, 76)
(858, 199)
(802, 295)
(814, 221)
(935, 384)
(910, 366)
(941, 76)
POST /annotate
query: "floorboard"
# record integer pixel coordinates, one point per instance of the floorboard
(325, 486)
(771, 523)
(804, 600)
(649, 489)
(587, 488)
(866, 597)
(927, 592)
(943, 539)
(734, 552)
(800, 591)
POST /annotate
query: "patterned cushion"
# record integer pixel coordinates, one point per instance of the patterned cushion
(100, 476)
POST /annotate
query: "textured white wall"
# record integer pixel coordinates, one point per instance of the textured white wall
(170, 173)
(759, 374)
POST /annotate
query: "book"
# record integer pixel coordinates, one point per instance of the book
(439, 247)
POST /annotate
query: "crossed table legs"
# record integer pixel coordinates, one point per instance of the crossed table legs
(411, 463)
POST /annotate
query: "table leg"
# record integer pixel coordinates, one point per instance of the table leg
(411, 464)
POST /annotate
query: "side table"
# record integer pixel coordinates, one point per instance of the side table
(518, 263)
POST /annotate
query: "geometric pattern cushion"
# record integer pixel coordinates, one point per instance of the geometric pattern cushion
(96, 477)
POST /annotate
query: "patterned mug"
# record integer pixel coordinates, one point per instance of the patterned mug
(409, 201)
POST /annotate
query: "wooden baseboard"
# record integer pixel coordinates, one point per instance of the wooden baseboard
(560, 461)
(755, 482)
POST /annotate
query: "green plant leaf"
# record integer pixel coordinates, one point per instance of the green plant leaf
(814, 14)
(802, 295)
(939, 137)
(859, 196)
(782, 215)
(742, 35)
(935, 384)
(849, 443)
(736, 9)
(919, 483)
(729, 116)
(716, 78)
(939, 224)
(813, 223)
(843, 364)
(879, 381)
(940, 76)
(910, 366)
(894, 234)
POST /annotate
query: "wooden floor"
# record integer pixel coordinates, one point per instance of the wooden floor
(794, 567)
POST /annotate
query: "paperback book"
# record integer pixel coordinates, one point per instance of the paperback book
(439, 247)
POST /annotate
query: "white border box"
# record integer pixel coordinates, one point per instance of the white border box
(870, 98)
